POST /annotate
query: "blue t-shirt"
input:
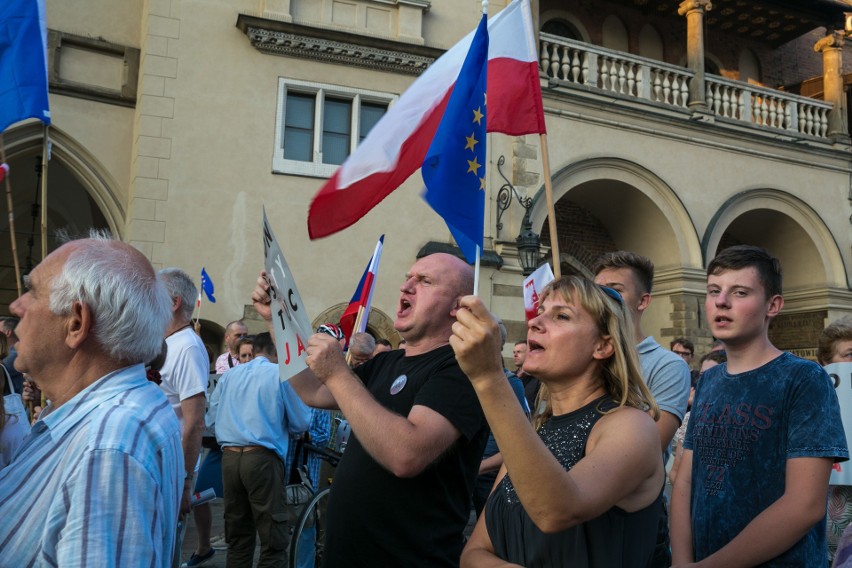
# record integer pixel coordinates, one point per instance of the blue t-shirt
(518, 388)
(742, 430)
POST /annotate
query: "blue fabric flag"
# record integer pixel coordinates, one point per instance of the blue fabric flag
(207, 286)
(454, 168)
(23, 62)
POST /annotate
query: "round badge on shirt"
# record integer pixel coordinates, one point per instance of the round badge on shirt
(398, 384)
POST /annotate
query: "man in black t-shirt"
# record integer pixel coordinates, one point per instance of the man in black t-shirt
(401, 493)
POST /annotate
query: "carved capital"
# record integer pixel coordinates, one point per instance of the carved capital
(833, 40)
(688, 6)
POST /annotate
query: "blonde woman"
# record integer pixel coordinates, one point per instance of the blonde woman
(581, 486)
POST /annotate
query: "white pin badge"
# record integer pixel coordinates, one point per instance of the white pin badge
(398, 384)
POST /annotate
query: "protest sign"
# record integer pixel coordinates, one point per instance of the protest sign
(289, 320)
(841, 376)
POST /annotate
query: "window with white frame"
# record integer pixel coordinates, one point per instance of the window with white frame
(318, 125)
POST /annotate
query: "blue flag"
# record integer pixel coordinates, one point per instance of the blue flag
(454, 168)
(207, 286)
(23, 62)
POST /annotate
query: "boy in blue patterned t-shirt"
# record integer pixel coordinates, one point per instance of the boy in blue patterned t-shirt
(764, 433)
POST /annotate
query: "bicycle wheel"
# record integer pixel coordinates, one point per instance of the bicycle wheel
(308, 540)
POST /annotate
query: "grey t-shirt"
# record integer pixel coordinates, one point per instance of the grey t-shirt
(667, 377)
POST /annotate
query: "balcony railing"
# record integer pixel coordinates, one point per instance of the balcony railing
(631, 76)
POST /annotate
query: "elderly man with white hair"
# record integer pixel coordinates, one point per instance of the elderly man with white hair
(185, 372)
(98, 482)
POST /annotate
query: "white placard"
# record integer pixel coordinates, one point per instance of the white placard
(841, 375)
(289, 320)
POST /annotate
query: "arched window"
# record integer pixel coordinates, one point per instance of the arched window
(711, 66)
(749, 66)
(615, 34)
(561, 28)
(650, 43)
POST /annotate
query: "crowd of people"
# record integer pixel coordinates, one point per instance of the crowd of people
(601, 448)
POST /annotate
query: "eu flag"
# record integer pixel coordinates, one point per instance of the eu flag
(207, 286)
(23, 62)
(454, 168)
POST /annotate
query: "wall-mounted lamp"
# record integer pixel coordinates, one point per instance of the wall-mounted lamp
(527, 241)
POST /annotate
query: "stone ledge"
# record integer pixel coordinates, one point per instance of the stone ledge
(277, 37)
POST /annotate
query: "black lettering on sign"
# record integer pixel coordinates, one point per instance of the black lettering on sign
(267, 239)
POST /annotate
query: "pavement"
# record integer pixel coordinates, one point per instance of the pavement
(190, 539)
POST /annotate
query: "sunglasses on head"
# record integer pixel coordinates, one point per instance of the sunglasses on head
(612, 293)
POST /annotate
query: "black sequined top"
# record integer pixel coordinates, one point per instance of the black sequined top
(616, 538)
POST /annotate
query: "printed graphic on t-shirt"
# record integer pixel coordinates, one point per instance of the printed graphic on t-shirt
(724, 436)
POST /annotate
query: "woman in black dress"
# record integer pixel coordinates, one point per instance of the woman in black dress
(581, 486)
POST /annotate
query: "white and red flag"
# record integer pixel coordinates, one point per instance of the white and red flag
(396, 146)
(350, 322)
(533, 285)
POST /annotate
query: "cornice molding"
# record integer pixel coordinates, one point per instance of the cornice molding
(276, 37)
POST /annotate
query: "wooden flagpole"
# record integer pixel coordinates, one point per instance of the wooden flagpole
(551, 212)
(358, 319)
(11, 218)
(45, 158)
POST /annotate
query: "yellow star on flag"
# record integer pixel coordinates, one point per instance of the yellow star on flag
(473, 166)
(482, 183)
(471, 142)
(477, 116)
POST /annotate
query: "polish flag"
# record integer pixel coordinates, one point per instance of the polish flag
(396, 146)
(363, 297)
(533, 286)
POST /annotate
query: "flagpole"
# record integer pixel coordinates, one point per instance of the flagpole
(476, 273)
(11, 217)
(44, 160)
(551, 213)
(358, 318)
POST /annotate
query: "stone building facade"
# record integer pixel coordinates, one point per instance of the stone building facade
(674, 129)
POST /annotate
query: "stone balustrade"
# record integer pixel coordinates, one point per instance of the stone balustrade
(573, 62)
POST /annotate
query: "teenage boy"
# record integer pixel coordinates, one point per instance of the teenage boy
(764, 433)
(665, 374)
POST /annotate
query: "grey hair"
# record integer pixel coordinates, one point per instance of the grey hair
(180, 285)
(130, 306)
(363, 343)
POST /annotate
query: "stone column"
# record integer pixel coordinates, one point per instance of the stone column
(152, 148)
(694, 11)
(831, 47)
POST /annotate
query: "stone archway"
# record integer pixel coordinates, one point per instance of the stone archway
(81, 196)
(813, 271)
(640, 211)
(789, 228)
(606, 204)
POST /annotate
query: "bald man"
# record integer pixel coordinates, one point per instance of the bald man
(401, 494)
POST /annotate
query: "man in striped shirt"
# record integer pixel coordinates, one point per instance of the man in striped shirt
(98, 482)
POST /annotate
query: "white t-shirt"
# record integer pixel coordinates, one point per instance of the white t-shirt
(186, 370)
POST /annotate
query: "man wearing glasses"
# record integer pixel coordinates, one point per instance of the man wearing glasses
(686, 349)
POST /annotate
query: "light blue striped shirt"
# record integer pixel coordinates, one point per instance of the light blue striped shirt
(252, 407)
(97, 482)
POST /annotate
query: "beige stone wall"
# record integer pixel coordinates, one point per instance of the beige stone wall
(193, 166)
